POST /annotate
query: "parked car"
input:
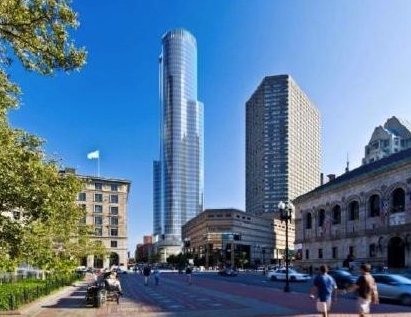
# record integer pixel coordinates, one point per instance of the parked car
(394, 287)
(227, 272)
(343, 278)
(293, 275)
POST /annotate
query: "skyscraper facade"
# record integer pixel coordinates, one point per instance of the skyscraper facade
(179, 174)
(283, 144)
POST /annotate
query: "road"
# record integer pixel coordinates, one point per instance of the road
(247, 295)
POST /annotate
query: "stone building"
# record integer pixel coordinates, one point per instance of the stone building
(361, 216)
(393, 137)
(105, 200)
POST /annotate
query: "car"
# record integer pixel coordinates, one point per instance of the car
(120, 271)
(227, 272)
(293, 275)
(343, 278)
(393, 287)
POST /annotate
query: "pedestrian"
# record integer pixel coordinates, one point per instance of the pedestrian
(325, 288)
(188, 274)
(146, 274)
(156, 276)
(366, 289)
(113, 281)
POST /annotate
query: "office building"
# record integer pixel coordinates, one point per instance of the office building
(391, 138)
(227, 236)
(178, 174)
(105, 200)
(283, 144)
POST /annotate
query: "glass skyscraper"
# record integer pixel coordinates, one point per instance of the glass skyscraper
(178, 175)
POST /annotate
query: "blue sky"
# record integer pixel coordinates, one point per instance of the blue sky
(352, 58)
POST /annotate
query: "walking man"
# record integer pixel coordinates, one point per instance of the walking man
(188, 274)
(326, 289)
(366, 289)
(146, 274)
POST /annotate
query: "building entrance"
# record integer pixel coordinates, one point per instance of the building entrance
(396, 253)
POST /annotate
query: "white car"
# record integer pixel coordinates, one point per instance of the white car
(293, 275)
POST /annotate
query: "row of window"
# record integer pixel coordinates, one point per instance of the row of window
(377, 207)
(98, 220)
(98, 197)
(112, 232)
(99, 186)
(372, 252)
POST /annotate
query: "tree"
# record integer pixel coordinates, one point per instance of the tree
(39, 219)
(36, 32)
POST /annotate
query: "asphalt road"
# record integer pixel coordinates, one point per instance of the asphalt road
(209, 295)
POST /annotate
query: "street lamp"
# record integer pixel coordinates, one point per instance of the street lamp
(286, 209)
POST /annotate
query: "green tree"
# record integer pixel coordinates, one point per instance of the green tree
(44, 229)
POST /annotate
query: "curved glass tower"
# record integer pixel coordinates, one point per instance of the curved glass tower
(178, 175)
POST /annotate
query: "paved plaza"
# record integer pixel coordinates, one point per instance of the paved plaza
(174, 297)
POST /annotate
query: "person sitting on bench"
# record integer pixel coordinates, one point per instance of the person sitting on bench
(113, 283)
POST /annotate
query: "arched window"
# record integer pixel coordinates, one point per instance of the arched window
(398, 200)
(336, 215)
(374, 206)
(321, 217)
(354, 210)
(308, 221)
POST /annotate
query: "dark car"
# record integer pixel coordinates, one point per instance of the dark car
(343, 278)
(227, 272)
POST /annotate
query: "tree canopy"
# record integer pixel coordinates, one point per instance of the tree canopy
(40, 221)
(36, 33)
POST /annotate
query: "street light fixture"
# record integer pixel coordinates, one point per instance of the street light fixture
(286, 209)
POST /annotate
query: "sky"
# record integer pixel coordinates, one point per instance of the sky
(352, 59)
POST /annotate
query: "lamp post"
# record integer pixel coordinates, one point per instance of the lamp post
(286, 209)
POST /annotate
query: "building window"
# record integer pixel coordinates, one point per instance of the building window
(114, 232)
(336, 215)
(335, 252)
(320, 253)
(374, 204)
(114, 221)
(354, 211)
(114, 199)
(16, 215)
(113, 244)
(98, 231)
(372, 251)
(307, 254)
(321, 217)
(98, 198)
(98, 220)
(82, 220)
(398, 200)
(82, 196)
(98, 209)
(114, 210)
(351, 253)
(114, 187)
(98, 186)
(309, 221)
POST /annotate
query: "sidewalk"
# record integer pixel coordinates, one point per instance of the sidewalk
(204, 298)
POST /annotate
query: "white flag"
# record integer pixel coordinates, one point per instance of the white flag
(93, 155)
